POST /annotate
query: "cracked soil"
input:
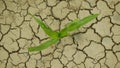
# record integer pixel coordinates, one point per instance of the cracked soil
(95, 45)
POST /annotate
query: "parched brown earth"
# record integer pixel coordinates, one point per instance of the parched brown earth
(95, 45)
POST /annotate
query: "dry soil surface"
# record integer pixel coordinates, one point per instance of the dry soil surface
(95, 45)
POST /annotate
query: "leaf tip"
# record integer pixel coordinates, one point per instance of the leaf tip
(96, 15)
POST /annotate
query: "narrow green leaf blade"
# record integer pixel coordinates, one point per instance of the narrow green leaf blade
(46, 28)
(43, 45)
(76, 24)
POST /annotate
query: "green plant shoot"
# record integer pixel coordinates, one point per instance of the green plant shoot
(46, 28)
(76, 24)
(43, 45)
(55, 36)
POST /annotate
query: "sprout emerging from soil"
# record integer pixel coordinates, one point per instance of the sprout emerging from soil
(56, 36)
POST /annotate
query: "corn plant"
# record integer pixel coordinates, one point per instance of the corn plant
(56, 36)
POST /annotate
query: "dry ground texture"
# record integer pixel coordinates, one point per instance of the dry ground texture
(95, 45)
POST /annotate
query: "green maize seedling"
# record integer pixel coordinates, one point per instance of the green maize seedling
(55, 36)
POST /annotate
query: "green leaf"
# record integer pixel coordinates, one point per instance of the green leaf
(46, 28)
(76, 24)
(57, 35)
(43, 45)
